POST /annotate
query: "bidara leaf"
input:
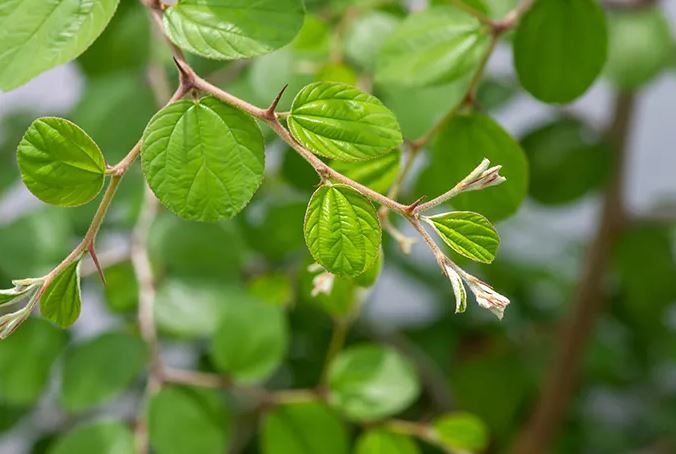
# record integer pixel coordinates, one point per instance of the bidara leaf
(553, 64)
(203, 159)
(340, 121)
(378, 174)
(432, 47)
(342, 230)
(103, 437)
(60, 164)
(227, 30)
(60, 302)
(380, 441)
(37, 35)
(469, 234)
(461, 431)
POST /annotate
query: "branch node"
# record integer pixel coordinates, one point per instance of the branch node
(410, 209)
(270, 111)
(95, 259)
(186, 75)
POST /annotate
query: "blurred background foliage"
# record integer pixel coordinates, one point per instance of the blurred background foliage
(65, 392)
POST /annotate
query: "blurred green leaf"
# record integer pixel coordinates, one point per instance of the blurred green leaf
(379, 441)
(272, 288)
(184, 420)
(461, 431)
(313, 40)
(366, 35)
(26, 359)
(303, 428)
(270, 73)
(369, 382)
(378, 174)
(121, 290)
(275, 226)
(98, 369)
(102, 437)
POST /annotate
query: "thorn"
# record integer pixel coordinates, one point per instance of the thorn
(270, 112)
(411, 208)
(92, 253)
(186, 74)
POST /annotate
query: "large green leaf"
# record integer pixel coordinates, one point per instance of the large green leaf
(379, 441)
(567, 160)
(435, 46)
(342, 230)
(60, 163)
(639, 46)
(98, 369)
(61, 302)
(340, 121)
(203, 159)
(459, 148)
(37, 35)
(304, 428)
(250, 341)
(462, 432)
(233, 29)
(369, 382)
(468, 234)
(378, 174)
(560, 48)
(185, 420)
(102, 437)
(26, 358)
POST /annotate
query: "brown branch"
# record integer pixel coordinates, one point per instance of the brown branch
(588, 300)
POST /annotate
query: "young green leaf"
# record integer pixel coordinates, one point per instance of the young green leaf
(378, 174)
(13, 294)
(467, 233)
(553, 64)
(342, 230)
(303, 428)
(369, 382)
(379, 441)
(462, 432)
(459, 147)
(37, 35)
(432, 47)
(98, 369)
(60, 164)
(340, 121)
(103, 437)
(184, 420)
(250, 341)
(203, 159)
(234, 29)
(60, 302)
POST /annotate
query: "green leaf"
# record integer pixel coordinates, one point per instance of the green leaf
(274, 226)
(37, 35)
(60, 164)
(567, 160)
(461, 431)
(339, 121)
(303, 428)
(122, 289)
(378, 174)
(369, 382)
(553, 64)
(342, 230)
(366, 35)
(102, 437)
(639, 46)
(98, 369)
(467, 233)
(61, 302)
(26, 359)
(432, 47)
(233, 29)
(203, 159)
(459, 148)
(250, 341)
(379, 441)
(13, 294)
(184, 420)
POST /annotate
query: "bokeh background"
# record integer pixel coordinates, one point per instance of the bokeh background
(625, 400)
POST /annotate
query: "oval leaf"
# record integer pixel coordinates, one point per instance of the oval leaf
(250, 341)
(304, 428)
(233, 29)
(435, 46)
(378, 174)
(103, 437)
(461, 431)
(378, 441)
(204, 160)
(60, 302)
(369, 382)
(342, 230)
(98, 369)
(37, 35)
(469, 234)
(339, 121)
(60, 164)
(553, 64)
